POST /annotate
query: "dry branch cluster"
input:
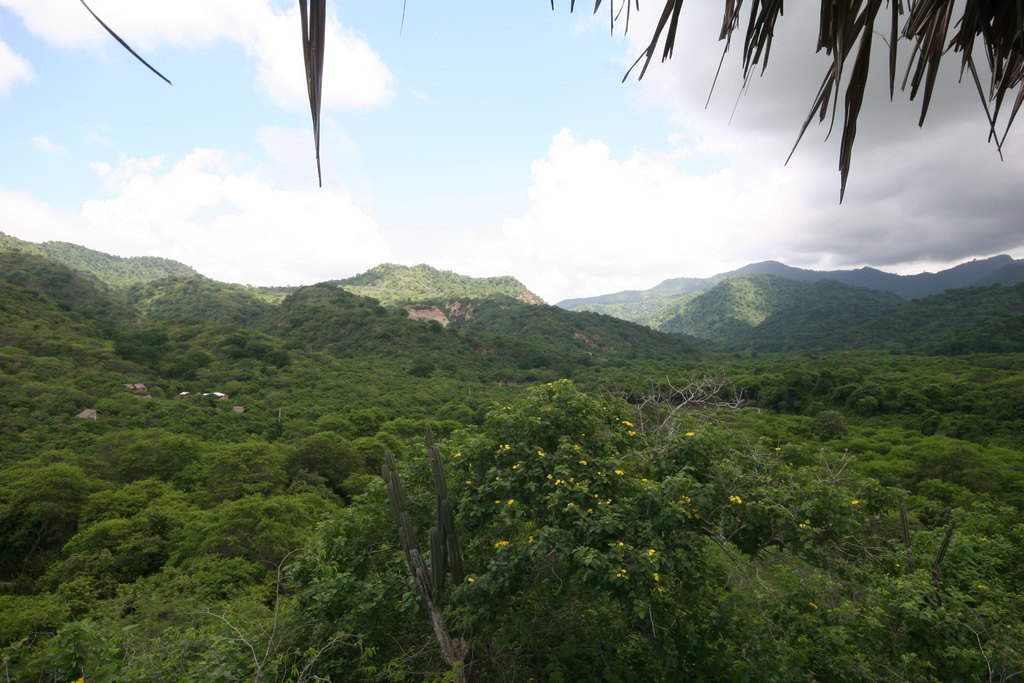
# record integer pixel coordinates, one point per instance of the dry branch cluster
(846, 31)
(658, 408)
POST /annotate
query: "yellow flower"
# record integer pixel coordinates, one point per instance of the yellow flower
(549, 476)
(685, 500)
(590, 510)
(470, 579)
(854, 502)
(778, 449)
(812, 605)
(619, 472)
(540, 453)
(656, 576)
(583, 462)
(576, 447)
(500, 544)
(529, 539)
(505, 447)
(627, 423)
(631, 432)
(497, 502)
(511, 501)
(689, 435)
(621, 544)
(736, 500)
(651, 552)
(807, 521)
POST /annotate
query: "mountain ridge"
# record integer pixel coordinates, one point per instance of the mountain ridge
(667, 300)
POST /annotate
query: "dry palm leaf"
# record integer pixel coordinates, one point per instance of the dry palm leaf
(842, 25)
(314, 23)
(845, 30)
(124, 44)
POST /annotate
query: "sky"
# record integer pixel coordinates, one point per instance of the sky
(480, 137)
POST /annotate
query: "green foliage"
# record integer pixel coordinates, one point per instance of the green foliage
(198, 299)
(330, 455)
(39, 508)
(230, 471)
(261, 529)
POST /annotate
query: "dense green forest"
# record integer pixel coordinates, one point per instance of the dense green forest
(195, 486)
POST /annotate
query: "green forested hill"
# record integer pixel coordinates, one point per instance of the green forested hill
(615, 505)
(392, 284)
(600, 337)
(197, 299)
(116, 271)
(502, 339)
(778, 314)
(70, 289)
(970, 320)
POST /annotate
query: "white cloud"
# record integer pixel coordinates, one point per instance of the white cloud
(231, 226)
(13, 68)
(598, 224)
(360, 78)
(47, 145)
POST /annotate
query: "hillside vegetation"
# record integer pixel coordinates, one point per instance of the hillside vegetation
(605, 501)
(392, 284)
(116, 271)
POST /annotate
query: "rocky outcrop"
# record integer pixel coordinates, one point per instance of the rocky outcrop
(422, 312)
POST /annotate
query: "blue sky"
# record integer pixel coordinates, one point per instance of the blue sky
(486, 138)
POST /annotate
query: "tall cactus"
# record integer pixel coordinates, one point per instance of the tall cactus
(445, 552)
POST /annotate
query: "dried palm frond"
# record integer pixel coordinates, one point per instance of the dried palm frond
(314, 29)
(845, 30)
(124, 44)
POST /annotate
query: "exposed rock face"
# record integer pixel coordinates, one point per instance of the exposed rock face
(462, 310)
(453, 310)
(420, 312)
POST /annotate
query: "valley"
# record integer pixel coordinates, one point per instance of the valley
(764, 477)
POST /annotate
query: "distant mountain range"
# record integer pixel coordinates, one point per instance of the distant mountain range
(662, 306)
